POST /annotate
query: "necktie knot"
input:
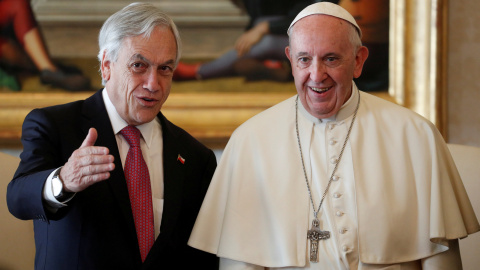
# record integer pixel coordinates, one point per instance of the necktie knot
(132, 135)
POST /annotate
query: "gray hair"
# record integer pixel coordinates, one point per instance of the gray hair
(133, 20)
(354, 38)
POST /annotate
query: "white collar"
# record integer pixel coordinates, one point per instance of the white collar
(118, 123)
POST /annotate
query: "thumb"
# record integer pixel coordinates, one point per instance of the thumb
(91, 138)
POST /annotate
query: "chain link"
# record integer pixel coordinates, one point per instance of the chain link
(315, 212)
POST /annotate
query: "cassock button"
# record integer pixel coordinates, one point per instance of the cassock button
(339, 213)
(345, 248)
(336, 178)
(332, 142)
(337, 195)
(334, 160)
(332, 126)
(343, 230)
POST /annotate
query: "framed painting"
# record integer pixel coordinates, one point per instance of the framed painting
(417, 66)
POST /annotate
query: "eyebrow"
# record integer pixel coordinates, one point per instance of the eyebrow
(139, 56)
(301, 54)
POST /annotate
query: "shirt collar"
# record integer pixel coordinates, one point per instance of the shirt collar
(345, 111)
(118, 123)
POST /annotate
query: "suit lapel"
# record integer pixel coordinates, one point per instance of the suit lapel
(96, 116)
(174, 177)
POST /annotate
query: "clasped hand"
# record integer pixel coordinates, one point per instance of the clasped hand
(87, 165)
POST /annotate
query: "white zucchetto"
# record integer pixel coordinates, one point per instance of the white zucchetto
(326, 8)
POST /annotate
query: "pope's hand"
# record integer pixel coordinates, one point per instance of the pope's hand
(87, 165)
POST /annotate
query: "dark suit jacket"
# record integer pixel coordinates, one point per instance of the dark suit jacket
(96, 229)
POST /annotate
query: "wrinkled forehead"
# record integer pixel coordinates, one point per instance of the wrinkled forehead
(151, 47)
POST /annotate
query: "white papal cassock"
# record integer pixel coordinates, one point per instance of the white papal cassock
(396, 196)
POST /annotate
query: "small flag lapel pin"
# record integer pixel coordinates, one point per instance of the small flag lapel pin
(181, 159)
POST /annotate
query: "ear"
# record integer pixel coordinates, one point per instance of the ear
(360, 58)
(105, 67)
(287, 52)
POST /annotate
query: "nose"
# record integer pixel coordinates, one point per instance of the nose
(318, 71)
(151, 82)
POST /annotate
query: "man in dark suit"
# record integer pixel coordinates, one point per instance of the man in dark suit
(75, 176)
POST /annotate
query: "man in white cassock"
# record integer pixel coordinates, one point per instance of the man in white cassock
(334, 178)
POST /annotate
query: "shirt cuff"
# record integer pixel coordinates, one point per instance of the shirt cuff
(52, 203)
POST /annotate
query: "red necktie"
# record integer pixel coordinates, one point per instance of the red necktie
(139, 190)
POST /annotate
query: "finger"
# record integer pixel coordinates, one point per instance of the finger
(92, 170)
(239, 43)
(240, 49)
(90, 150)
(86, 181)
(95, 178)
(94, 159)
(246, 49)
(237, 47)
(77, 178)
(91, 138)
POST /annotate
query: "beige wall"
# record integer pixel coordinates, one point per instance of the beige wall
(463, 89)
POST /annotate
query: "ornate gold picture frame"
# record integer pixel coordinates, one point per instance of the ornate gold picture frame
(418, 57)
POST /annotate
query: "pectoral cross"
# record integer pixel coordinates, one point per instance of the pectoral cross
(315, 235)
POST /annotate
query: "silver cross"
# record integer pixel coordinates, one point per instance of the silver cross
(315, 235)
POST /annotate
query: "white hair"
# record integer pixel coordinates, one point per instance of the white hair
(133, 20)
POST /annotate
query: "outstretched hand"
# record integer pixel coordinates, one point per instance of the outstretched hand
(87, 165)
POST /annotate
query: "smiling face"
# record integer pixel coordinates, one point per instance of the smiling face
(324, 62)
(139, 82)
